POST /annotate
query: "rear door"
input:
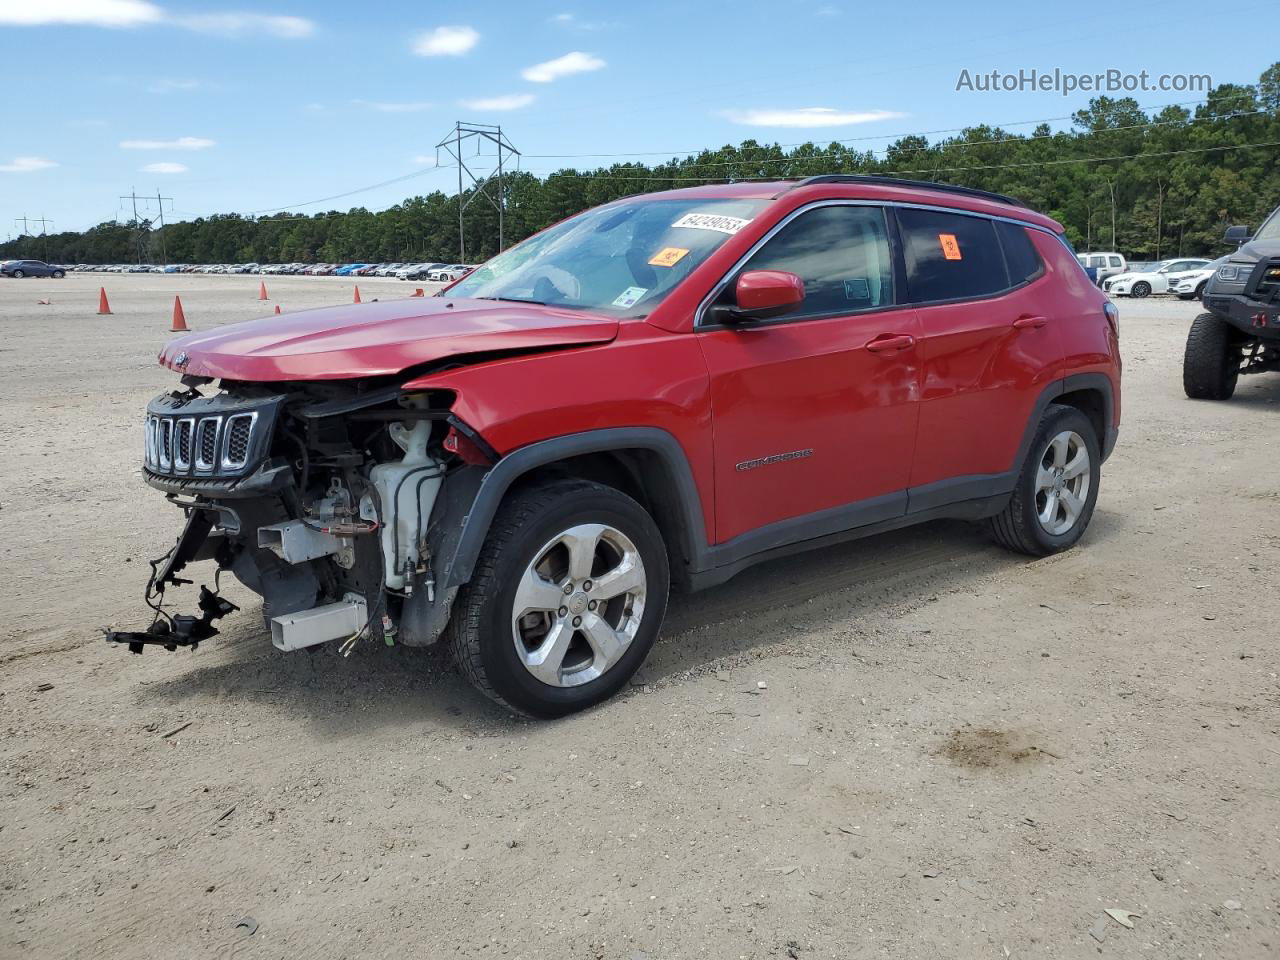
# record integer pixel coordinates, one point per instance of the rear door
(988, 347)
(816, 410)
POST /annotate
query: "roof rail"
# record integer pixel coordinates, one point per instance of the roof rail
(899, 182)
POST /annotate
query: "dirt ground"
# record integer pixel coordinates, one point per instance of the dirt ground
(912, 746)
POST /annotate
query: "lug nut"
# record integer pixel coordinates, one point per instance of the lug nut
(562, 611)
(568, 588)
(591, 605)
(577, 621)
(586, 585)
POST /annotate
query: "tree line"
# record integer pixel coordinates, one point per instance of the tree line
(1151, 185)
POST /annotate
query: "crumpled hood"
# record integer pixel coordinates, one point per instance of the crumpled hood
(377, 338)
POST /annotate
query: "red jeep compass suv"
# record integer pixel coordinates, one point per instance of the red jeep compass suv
(666, 388)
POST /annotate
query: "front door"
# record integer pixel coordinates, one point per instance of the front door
(815, 412)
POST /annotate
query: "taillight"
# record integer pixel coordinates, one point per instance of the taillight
(1113, 317)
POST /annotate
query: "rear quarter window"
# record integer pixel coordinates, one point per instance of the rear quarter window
(1019, 253)
(950, 256)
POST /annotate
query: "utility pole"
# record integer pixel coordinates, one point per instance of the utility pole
(164, 253)
(44, 233)
(452, 144)
(138, 233)
(25, 229)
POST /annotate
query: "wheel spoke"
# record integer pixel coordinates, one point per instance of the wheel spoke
(1072, 504)
(1060, 445)
(1044, 478)
(604, 641)
(536, 593)
(1049, 515)
(544, 662)
(1078, 465)
(624, 578)
(581, 543)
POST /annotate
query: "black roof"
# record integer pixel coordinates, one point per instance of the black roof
(914, 184)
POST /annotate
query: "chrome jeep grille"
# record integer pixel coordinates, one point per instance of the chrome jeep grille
(199, 446)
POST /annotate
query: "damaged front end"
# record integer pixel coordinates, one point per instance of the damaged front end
(331, 500)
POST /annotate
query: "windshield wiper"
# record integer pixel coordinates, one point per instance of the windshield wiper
(514, 300)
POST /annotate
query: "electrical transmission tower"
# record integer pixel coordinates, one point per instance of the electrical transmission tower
(481, 183)
(26, 230)
(141, 232)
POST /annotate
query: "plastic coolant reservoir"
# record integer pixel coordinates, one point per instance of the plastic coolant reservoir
(406, 493)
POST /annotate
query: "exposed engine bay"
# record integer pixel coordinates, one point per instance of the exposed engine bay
(321, 497)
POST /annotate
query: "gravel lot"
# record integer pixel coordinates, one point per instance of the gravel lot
(911, 746)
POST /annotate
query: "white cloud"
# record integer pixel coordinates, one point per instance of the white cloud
(138, 13)
(26, 165)
(445, 42)
(807, 117)
(182, 143)
(827, 10)
(96, 13)
(165, 168)
(426, 160)
(170, 84)
(571, 21)
(512, 101)
(563, 18)
(236, 24)
(575, 62)
(384, 107)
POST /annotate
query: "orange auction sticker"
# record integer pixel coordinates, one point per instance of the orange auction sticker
(950, 248)
(667, 257)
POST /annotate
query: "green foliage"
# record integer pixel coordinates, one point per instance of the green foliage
(1159, 185)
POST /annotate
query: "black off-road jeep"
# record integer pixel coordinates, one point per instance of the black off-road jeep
(1241, 331)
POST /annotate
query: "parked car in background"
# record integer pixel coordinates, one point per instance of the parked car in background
(1191, 285)
(1154, 279)
(449, 273)
(666, 389)
(31, 268)
(1106, 264)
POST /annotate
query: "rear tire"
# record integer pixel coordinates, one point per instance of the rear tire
(17, 274)
(58, 274)
(1063, 464)
(549, 658)
(1211, 364)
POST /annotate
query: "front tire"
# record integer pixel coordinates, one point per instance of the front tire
(1211, 364)
(1140, 290)
(58, 274)
(1057, 487)
(566, 600)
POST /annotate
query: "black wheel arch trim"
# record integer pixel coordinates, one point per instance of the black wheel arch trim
(494, 484)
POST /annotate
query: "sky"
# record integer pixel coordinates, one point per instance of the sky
(235, 106)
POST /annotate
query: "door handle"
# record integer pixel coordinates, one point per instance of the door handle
(1030, 323)
(886, 342)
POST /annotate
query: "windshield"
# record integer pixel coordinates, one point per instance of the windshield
(1270, 231)
(623, 258)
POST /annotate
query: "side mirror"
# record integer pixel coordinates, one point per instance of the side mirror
(1238, 234)
(764, 294)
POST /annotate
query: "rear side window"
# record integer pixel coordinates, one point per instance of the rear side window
(950, 256)
(1116, 261)
(842, 255)
(1019, 253)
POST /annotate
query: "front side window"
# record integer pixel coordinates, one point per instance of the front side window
(840, 252)
(622, 259)
(1116, 261)
(950, 256)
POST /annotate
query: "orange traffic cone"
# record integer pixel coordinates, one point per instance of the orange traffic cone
(418, 293)
(262, 291)
(104, 308)
(277, 308)
(356, 299)
(179, 318)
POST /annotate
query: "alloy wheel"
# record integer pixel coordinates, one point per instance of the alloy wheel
(1062, 482)
(579, 605)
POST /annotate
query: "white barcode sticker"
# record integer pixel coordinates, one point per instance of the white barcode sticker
(711, 221)
(630, 297)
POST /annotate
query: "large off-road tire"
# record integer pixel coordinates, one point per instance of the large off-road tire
(1057, 487)
(1140, 290)
(566, 600)
(1211, 364)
